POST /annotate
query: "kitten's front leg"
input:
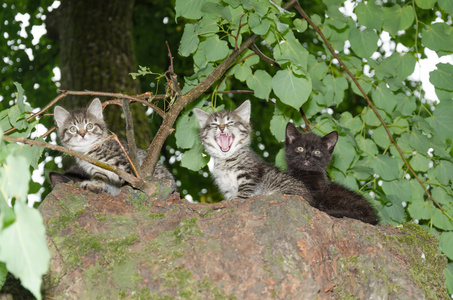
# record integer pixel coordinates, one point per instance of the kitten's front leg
(96, 184)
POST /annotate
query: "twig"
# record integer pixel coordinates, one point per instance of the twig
(131, 139)
(134, 181)
(307, 124)
(129, 159)
(329, 46)
(116, 95)
(267, 59)
(173, 76)
(236, 38)
(232, 92)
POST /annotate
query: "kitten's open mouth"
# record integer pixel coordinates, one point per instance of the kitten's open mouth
(224, 141)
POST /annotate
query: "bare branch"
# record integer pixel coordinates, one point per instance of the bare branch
(173, 76)
(267, 59)
(133, 160)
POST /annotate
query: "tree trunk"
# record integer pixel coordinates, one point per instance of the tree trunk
(97, 53)
(274, 247)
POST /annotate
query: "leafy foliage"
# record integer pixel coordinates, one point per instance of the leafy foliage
(23, 248)
(365, 157)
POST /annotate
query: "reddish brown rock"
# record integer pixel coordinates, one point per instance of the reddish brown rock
(274, 247)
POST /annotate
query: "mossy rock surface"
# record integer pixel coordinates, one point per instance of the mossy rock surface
(275, 247)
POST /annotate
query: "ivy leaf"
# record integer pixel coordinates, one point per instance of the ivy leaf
(189, 40)
(261, 83)
(25, 239)
(363, 43)
(369, 15)
(292, 89)
(386, 167)
(397, 18)
(194, 159)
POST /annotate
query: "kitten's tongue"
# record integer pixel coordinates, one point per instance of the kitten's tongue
(224, 141)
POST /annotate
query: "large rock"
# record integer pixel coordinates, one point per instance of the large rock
(274, 247)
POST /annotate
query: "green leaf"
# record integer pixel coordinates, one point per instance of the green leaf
(344, 154)
(441, 196)
(186, 131)
(397, 18)
(425, 4)
(20, 97)
(207, 26)
(194, 159)
(189, 40)
(449, 273)
(442, 77)
(300, 25)
(261, 83)
(446, 5)
(384, 98)
(14, 177)
(278, 126)
(290, 88)
(190, 9)
(366, 86)
(420, 210)
(440, 220)
(444, 171)
(369, 15)
(442, 120)
(406, 104)
(291, 50)
(420, 163)
(369, 117)
(3, 273)
(399, 188)
(280, 161)
(363, 43)
(399, 66)
(381, 137)
(419, 141)
(216, 49)
(335, 89)
(386, 167)
(23, 248)
(258, 24)
(394, 213)
(212, 9)
(352, 123)
(242, 72)
(367, 145)
(438, 37)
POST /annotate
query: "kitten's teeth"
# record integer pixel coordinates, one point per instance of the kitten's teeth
(224, 141)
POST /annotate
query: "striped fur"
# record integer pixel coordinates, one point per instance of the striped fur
(238, 171)
(85, 131)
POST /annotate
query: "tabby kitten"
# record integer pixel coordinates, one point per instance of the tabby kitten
(238, 171)
(307, 156)
(74, 174)
(84, 130)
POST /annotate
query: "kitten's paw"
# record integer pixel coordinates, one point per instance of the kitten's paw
(94, 187)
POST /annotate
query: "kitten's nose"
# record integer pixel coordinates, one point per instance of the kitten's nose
(82, 133)
(222, 127)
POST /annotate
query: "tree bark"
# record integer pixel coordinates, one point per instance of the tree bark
(97, 53)
(273, 247)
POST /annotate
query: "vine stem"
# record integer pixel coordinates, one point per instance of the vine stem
(370, 104)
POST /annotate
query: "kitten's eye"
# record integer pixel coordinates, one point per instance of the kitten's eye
(317, 152)
(89, 126)
(73, 129)
(300, 149)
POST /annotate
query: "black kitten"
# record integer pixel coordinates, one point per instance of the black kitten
(307, 156)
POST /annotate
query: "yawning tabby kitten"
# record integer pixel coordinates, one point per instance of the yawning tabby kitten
(307, 156)
(238, 171)
(84, 130)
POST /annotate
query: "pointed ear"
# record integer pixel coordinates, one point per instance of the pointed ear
(60, 115)
(291, 133)
(243, 111)
(330, 140)
(95, 108)
(202, 116)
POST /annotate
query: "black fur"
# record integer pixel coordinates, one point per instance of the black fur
(307, 157)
